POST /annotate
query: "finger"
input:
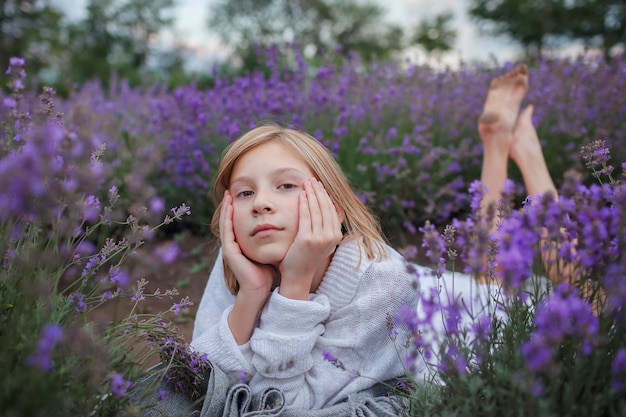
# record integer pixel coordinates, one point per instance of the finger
(304, 221)
(223, 206)
(227, 234)
(314, 205)
(330, 218)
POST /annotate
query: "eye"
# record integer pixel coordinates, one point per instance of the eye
(246, 193)
(287, 186)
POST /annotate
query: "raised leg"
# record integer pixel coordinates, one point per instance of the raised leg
(526, 151)
(495, 127)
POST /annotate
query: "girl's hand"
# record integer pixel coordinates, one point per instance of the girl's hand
(251, 276)
(319, 233)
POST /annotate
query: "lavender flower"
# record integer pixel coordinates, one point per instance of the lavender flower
(118, 277)
(119, 386)
(477, 190)
(329, 357)
(91, 208)
(139, 291)
(167, 252)
(618, 370)
(187, 373)
(435, 248)
(408, 316)
(453, 361)
(51, 335)
(562, 315)
(596, 156)
(77, 301)
(615, 287)
(184, 303)
(537, 353)
(516, 251)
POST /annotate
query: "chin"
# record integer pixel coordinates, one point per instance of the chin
(265, 256)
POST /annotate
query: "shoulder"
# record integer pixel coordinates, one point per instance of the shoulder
(391, 274)
(351, 274)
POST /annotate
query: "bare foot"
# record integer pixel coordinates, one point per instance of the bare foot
(504, 97)
(525, 145)
(525, 150)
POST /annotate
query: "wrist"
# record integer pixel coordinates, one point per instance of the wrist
(296, 289)
(243, 316)
(253, 296)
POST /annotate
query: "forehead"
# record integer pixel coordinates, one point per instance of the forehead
(270, 156)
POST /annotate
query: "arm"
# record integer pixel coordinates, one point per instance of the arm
(292, 334)
(211, 333)
(255, 280)
(319, 233)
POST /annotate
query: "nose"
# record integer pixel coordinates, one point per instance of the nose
(262, 203)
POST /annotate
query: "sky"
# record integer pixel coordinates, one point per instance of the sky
(192, 15)
(191, 31)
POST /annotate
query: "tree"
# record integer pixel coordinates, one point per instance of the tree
(115, 36)
(536, 23)
(530, 22)
(30, 30)
(316, 25)
(600, 23)
(435, 35)
(138, 22)
(92, 42)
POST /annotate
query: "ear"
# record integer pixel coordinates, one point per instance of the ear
(341, 213)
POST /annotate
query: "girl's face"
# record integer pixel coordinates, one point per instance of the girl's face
(265, 184)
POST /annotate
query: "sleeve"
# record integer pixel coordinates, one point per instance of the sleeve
(211, 333)
(318, 358)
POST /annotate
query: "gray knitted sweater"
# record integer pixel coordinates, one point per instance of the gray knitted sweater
(290, 348)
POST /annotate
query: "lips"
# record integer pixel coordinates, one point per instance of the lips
(263, 227)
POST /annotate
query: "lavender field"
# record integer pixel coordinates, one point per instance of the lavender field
(87, 179)
(405, 135)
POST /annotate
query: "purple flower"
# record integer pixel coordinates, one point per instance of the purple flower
(167, 252)
(516, 252)
(92, 265)
(77, 300)
(17, 61)
(596, 155)
(408, 316)
(157, 205)
(184, 303)
(9, 103)
(92, 208)
(119, 277)
(481, 329)
(241, 377)
(7, 259)
(618, 369)
(615, 286)
(537, 353)
(329, 357)
(453, 361)
(85, 248)
(563, 314)
(477, 190)
(119, 386)
(51, 334)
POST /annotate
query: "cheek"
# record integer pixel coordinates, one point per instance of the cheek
(238, 224)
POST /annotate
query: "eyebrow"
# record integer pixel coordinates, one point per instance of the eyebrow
(276, 172)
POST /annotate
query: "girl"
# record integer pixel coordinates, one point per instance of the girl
(304, 279)
(303, 275)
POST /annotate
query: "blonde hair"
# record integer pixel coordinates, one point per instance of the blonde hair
(359, 223)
